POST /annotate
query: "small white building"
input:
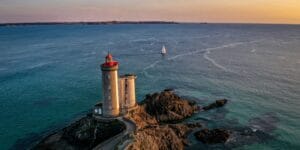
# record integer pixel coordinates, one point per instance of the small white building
(98, 109)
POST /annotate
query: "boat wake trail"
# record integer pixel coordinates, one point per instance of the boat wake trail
(214, 62)
(186, 54)
(150, 66)
(208, 50)
(205, 52)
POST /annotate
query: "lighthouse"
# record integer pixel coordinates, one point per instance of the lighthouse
(110, 89)
(118, 92)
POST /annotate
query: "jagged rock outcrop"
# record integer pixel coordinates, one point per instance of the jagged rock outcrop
(82, 135)
(162, 137)
(212, 136)
(151, 116)
(154, 138)
(164, 107)
(216, 104)
(168, 107)
(142, 118)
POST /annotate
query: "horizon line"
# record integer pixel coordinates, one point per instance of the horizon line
(135, 22)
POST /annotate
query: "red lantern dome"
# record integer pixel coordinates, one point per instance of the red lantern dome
(109, 62)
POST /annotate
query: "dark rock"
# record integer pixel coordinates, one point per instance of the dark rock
(266, 122)
(83, 134)
(243, 135)
(216, 104)
(212, 136)
(194, 125)
(169, 90)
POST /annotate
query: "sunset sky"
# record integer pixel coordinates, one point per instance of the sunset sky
(227, 11)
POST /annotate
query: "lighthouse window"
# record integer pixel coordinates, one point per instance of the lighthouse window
(108, 76)
(109, 87)
(109, 97)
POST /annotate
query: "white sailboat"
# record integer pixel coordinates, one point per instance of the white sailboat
(163, 50)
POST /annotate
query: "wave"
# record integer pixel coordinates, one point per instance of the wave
(253, 50)
(3, 69)
(135, 54)
(43, 45)
(144, 40)
(201, 37)
(39, 65)
(89, 53)
(29, 71)
(110, 43)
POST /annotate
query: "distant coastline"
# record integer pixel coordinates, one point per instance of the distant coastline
(131, 22)
(88, 23)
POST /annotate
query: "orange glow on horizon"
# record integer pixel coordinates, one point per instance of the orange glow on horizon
(231, 11)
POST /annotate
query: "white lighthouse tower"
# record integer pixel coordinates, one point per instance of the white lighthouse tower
(110, 89)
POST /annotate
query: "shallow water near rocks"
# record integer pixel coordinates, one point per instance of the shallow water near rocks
(50, 75)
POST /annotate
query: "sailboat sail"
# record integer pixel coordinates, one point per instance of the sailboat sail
(163, 50)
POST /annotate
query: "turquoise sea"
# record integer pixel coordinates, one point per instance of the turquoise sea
(50, 75)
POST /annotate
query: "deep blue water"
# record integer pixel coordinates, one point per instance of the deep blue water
(50, 75)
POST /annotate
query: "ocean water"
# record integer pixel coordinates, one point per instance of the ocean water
(50, 75)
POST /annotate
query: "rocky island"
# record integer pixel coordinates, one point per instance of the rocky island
(158, 121)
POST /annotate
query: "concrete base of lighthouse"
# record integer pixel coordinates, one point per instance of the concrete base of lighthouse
(98, 112)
